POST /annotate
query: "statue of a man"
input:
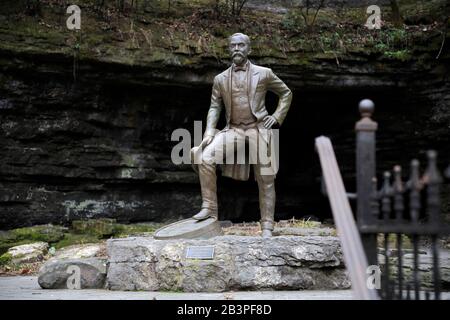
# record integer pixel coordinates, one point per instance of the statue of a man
(242, 89)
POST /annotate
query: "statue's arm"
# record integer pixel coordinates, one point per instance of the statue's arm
(214, 109)
(284, 94)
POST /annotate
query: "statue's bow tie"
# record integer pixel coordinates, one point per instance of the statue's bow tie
(238, 68)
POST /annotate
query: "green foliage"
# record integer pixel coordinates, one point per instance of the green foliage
(402, 55)
(124, 230)
(397, 37)
(47, 233)
(229, 7)
(5, 259)
(330, 40)
(192, 33)
(303, 15)
(381, 46)
(392, 44)
(423, 12)
(71, 239)
(82, 232)
(96, 227)
(94, 230)
(104, 228)
(292, 20)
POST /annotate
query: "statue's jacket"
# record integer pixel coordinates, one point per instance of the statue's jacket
(260, 81)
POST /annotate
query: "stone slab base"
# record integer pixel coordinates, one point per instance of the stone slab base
(239, 263)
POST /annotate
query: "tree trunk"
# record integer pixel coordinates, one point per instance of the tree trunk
(396, 16)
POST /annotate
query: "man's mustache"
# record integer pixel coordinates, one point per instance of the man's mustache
(238, 54)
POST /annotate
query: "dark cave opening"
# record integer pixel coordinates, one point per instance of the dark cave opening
(332, 112)
(108, 144)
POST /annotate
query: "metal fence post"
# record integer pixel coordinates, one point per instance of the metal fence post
(365, 171)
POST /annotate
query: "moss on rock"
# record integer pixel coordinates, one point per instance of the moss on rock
(124, 230)
(46, 233)
(96, 227)
(72, 239)
(82, 232)
(5, 259)
(148, 39)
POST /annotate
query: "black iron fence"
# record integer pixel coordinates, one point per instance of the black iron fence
(398, 211)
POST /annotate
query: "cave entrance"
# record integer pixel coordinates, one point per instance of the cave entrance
(140, 120)
(332, 113)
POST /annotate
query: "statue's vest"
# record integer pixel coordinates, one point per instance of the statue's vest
(241, 112)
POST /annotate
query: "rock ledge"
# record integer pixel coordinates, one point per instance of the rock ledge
(239, 263)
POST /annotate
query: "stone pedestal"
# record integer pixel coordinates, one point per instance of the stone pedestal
(238, 263)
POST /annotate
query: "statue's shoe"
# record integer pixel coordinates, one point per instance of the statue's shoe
(266, 233)
(205, 214)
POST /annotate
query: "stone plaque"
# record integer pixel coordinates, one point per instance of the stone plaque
(200, 252)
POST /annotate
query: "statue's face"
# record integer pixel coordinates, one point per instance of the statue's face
(239, 50)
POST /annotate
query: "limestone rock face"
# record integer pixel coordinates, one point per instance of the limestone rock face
(98, 144)
(79, 251)
(89, 273)
(27, 253)
(239, 263)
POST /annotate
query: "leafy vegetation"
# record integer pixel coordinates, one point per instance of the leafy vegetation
(147, 33)
(81, 232)
(5, 259)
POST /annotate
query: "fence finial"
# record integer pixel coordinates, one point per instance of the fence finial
(415, 187)
(366, 108)
(432, 172)
(433, 181)
(386, 193)
(398, 192)
(398, 184)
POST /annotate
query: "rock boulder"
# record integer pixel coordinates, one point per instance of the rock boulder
(239, 263)
(89, 273)
(28, 253)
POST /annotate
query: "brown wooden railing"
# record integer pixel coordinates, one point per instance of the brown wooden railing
(354, 256)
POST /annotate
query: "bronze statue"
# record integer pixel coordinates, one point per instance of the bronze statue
(242, 89)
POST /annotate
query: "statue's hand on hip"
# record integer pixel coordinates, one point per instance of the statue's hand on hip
(206, 140)
(269, 121)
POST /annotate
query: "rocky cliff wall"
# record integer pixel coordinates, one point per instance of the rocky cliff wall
(88, 136)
